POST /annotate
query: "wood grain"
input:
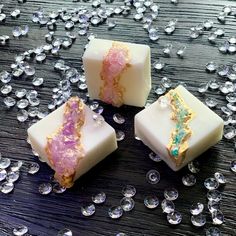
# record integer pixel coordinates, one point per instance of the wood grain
(46, 215)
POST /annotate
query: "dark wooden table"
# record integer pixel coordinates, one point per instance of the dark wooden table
(46, 215)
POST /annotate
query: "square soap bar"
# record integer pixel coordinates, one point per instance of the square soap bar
(178, 127)
(72, 139)
(117, 72)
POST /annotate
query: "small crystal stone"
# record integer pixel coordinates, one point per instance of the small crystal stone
(99, 198)
(171, 194)
(213, 206)
(40, 57)
(151, 201)
(3, 174)
(167, 206)
(153, 34)
(12, 176)
(153, 176)
(24, 30)
(121, 234)
(115, 212)
(20, 230)
(154, 157)
(220, 178)
(211, 66)
(189, 180)
(120, 135)
(129, 191)
(16, 31)
(212, 37)
(37, 81)
(2, 17)
(193, 167)
(127, 203)
(174, 218)
(198, 220)
(45, 188)
(213, 84)
(65, 232)
(229, 132)
(15, 13)
(223, 70)
(167, 49)
(118, 118)
(23, 103)
(33, 168)
(22, 115)
(6, 89)
(217, 217)
(180, 52)
(214, 195)
(5, 163)
(231, 97)
(111, 24)
(20, 93)
(15, 166)
(160, 90)
(208, 24)
(213, 231)
(57, 188)
(6, 187)
(223, 47)
(232, 40)
(219, 32)
(211, 183)
(69, 25)
(196, 208)
(9, 101)
(158, 65)
(233, 166)
(5, 77)
(88, 210)
(211, 102)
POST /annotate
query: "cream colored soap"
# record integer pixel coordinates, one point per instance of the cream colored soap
(154, 126)
(98, 139)
(135, 80)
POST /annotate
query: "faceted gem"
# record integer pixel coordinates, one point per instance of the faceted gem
(127, 203)
(65, 232)
(45, 188)
(129, 191)
(16, 31)
(189, 180)
(213, 206)
(118, 118)
(160, 90)
(3, 174)
(88, 210)
(6, 89)
(20, 230)
(214, 195)
(220, 178)
(217, 217)
(211, 102)
(171, 194)
(115, 212)
(12, 176)
(211, 66)
(99, 198)
(120, 135)
(167, 206)
(233, 166)
(153, 176)
(154, 157)
(193, 167)
(180, 52)
(4, 163)
(211, 183)
(22, 115)
(57, 188)
(6, 187)
(203, 87)
(37, 81)
(33, 168)
(196, 208)
(9, 102)
(151, 201)
(158, 65)
(198, 220)
(213, 231)
(20, 93)
(174, 218)
(23, 103)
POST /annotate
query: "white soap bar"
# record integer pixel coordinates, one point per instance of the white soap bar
(178, 127)
(95, 139)
(118, 72)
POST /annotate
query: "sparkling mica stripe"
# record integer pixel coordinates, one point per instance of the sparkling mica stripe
(64, 148)
(114, 64)
(182, 115)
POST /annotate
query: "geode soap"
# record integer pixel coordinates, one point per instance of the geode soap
(118, 73)
(72, 139)
(178, 127)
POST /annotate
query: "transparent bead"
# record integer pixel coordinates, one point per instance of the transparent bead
(65, 232)
(118, 118)
(37, 81)
(167, 206)
(213, 206)
(233, 166)
(3, 174)
(154, 157)
(174, 218)
(211, 183)
(229, 132)
(6, 187)
(22, 115)
(193, 167)
(9, 102)
(214, 195)
(151, 201)
(181, 51)
(20, 93)
(213, 231)
(189, 180)
(88, 210)
(167, 50)
(211, 102)
(12, 176)
(33, 168)
(198, 220)
(153, 176)
(153, 34)
(208, 24)
(115, 212)
(171, 194)
(213, 84)
(58, 189)
(158, 65)
(220, 177)
(99, 198)
(5, 163)
(45, 188)
(111, 24)
(127, 203)
(196, 208)
(23, 103)
(120, 135)
(217, 217)
(166, 82)
(129, 191)
(211, 66)
(160, 90)
(6, 89)
(20, 230)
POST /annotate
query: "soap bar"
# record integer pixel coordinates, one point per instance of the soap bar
(178, 127)
(117, 72)
(72, 139)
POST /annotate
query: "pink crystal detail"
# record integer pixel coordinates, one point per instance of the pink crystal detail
(114, 64)
(64, 149)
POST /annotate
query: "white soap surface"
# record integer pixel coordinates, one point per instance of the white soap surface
(98, 140)
(154, 125)
(136, 79)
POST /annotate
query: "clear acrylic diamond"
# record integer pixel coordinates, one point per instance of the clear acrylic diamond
(151, 201)
(115, 212)
(6, 187)
(193, 167)
(57, 188)
(65, 232)
(37, 81)
(233, 166)
(166, 82)
(20, 230)
(229, 132)
(213, 84)
(220, 177)
(153, 34)
(158, 65)
(16, 31)
(189, 180)
(45, 188)
(9, 101)
(40, 57)
(211, 183)
(22, 115)
(198, 220)
(5, 77)
(12, 176)
(127, 203)
(88, 210)
(120, 135)
(217, 217)
(213, 206)
(15, 166)
(129, 191)
(99, 198)
(20, 93)
(211, 102)
(33, 168)
(118, 118)
(174, 218)
(23, 103)
(154, 157)
(3, 174)
(171, 194)
(5, 163)
(213, 231)
(208, 24)
(6, 89)
(153, 176)
(196, 208)
(214, 195)
(181, 51)
(167, 206)
(211, 66)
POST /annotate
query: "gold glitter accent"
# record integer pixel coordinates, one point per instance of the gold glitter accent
(182, 115)
(115, 87)
(67, 178)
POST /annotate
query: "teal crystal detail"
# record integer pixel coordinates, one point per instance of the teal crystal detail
(175, 151)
